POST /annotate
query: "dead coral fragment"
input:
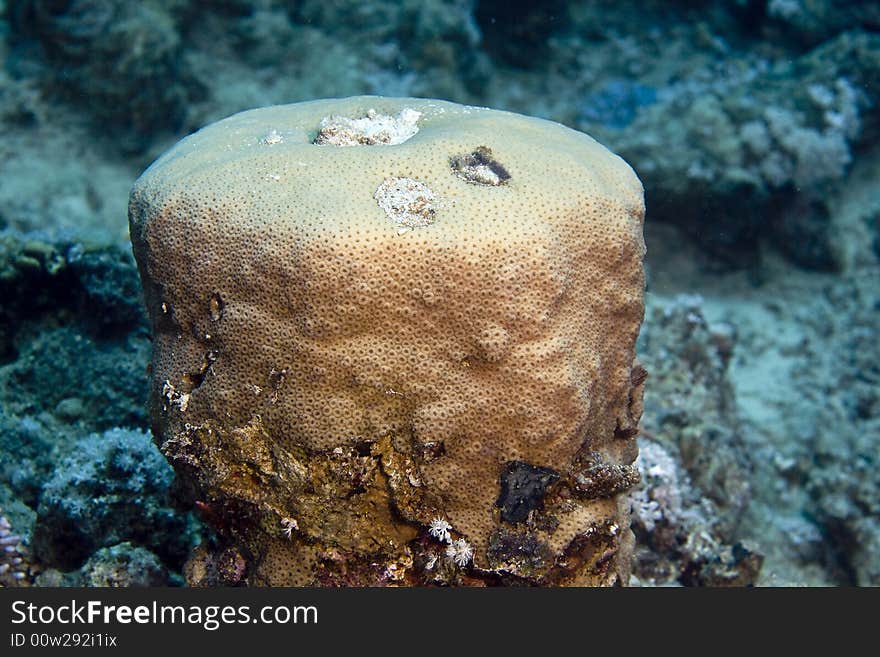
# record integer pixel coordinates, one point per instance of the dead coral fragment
(598, 479)
(374, 129)
(479, 168)
(407, 202)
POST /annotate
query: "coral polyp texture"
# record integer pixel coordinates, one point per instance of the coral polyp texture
(362, 340)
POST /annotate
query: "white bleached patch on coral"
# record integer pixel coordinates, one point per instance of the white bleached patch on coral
(407, 202)
(374, 129)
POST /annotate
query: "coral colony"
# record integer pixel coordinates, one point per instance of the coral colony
(425, 331)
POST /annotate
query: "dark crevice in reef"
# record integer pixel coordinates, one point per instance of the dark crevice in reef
(98, 290)
(840, 546)
(73, 335)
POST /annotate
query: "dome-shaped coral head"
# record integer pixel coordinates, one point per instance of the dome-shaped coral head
(394, 321)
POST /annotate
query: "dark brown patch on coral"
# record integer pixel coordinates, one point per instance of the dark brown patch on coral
(520, 553)
(479, 167)
(523, 487)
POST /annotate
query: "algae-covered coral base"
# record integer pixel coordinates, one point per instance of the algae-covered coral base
(374, 313)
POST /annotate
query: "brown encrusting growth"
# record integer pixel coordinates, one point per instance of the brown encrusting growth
(361, 398)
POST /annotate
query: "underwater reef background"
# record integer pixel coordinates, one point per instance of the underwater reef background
(754, 125)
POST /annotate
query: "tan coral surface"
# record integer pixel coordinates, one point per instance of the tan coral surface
(321, 362)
